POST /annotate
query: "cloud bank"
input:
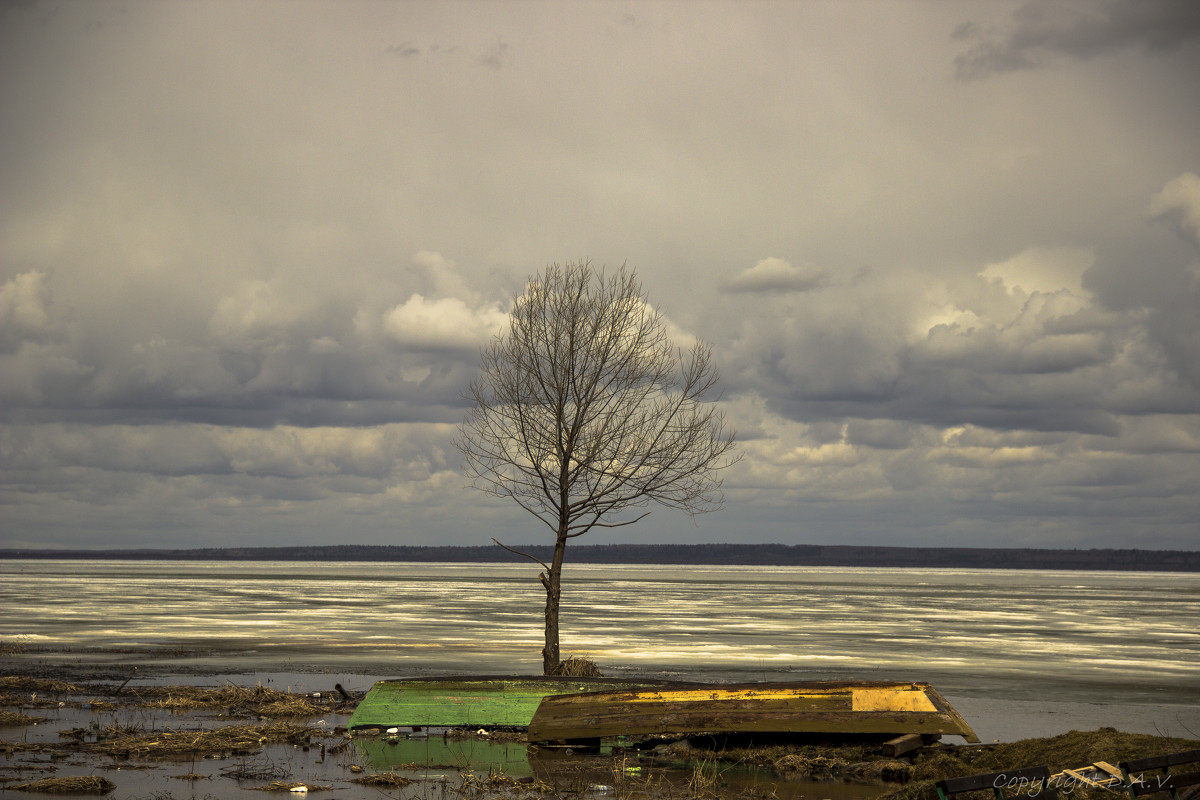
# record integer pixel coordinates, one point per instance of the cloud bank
(948, 258)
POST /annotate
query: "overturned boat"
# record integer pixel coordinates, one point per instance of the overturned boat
(420, 704)
(836, 708)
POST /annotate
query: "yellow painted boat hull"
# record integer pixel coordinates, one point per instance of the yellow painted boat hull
(820, 708)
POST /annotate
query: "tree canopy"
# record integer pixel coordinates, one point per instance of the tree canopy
(585, 412)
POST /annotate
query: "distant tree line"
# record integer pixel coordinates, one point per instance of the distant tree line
(782, 555)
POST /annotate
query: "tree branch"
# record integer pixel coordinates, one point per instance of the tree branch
(519, 553)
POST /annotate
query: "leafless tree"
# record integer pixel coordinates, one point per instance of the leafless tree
(585, 413)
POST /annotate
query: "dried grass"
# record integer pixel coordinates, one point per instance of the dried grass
(23, 683)
(499, 781)
(800, 765)
(11, 719)
(80, 784)
(258, 701)
(283, 786)
(578, 667)
(229, 739)
(22, 747)
(192, 776)
(254, 771)
(382, 779)
(706, 780)
(11, 647)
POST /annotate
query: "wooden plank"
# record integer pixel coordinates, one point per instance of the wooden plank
(1098, 775)
(1081, 777)
(904, 744)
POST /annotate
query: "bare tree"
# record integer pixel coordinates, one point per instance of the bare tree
(585, 413)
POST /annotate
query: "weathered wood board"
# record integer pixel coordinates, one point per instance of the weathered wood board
(824, 707)
(476, 702)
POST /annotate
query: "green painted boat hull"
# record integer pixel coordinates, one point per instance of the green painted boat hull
(500, 702)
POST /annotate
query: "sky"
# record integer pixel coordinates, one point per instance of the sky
(947, 256)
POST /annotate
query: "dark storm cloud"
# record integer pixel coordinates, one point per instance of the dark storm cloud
(1083, 29)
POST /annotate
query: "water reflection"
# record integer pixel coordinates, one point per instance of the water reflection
(385, 754)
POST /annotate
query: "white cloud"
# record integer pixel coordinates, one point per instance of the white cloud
(1043, 269)
(257, 311)
(444, 324)
(439, 276)
(1179, 201)
(776, 275)
(1039, 339)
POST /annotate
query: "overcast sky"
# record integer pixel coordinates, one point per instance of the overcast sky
(947, 255)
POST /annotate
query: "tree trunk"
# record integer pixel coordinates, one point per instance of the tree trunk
(553, 584)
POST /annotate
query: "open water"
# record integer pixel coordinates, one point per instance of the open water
(1019, 653)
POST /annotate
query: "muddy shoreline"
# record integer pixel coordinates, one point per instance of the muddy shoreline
(184, 731)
